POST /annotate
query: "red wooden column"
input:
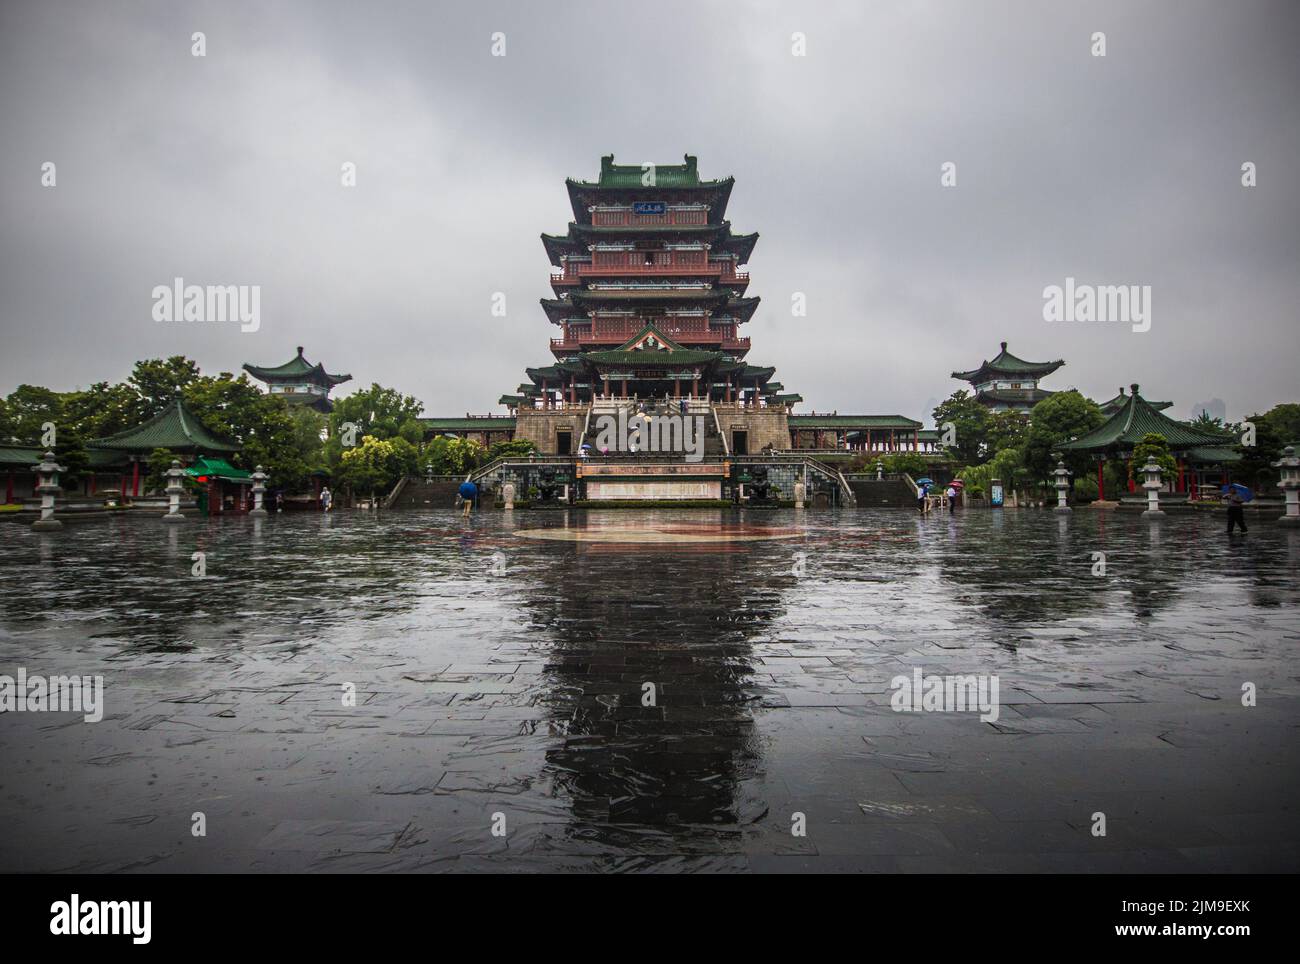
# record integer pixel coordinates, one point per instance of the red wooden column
(605, 380)
(135, 477)
(9, 488)
(1101, 480)
(1182, 481)
(677, 388)
(695, 387)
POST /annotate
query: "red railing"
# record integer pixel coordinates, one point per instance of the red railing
(575, 273)
(619, 218)
(688, 338)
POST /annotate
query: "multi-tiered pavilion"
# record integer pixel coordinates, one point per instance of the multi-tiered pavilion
(649, 294)
(299, 382)
(1007, 383)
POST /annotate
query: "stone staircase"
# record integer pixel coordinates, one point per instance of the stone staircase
(416, 493)
(894, 493)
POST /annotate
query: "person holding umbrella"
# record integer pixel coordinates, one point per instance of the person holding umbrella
(468, 492)
(1235, 496)
(923, 493)
(952, 497)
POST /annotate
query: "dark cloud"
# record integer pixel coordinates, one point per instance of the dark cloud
(225, 169)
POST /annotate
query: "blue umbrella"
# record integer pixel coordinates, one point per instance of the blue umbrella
(925, 481)
(1246, 494)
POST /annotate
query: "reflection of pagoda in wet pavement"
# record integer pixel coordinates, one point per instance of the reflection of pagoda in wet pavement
(690, 760)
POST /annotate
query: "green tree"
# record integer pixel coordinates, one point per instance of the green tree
(516, 448)
(158, 382)
(102, 409)
(1156, 446)
(970, 420)
(380, 412)
(1056, 419)
(375, 465)
(28, 408)
(913, 463)
(1007, 430)
(1256, 466)
(236, 409)
(1205, 422)
(1284, 420)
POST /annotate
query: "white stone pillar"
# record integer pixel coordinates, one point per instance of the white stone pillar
(48, 473)
(174, 492)
(259, 491)
(1062, 485)
(1152, 484)
(1289, 465)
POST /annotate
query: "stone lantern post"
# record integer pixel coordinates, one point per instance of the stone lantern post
(259, 492)
(1153, 485)
(880, 471)
(174, 492)
(508, 494)
(428, 473)
(48, 488)
(1062, 486)
(799, 493)
(1289, 465)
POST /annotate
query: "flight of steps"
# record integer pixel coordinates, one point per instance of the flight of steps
(894, 493)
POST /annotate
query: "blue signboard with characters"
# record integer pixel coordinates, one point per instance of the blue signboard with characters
(649, 207)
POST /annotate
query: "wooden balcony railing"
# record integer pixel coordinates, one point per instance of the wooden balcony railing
(575, 273)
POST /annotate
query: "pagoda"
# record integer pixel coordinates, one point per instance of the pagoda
(649, 296)
(299, 382)
(1134, 420)
(1008, 383)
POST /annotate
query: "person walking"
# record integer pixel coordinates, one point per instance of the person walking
(326, 499)
(952, 499)
(922, 491)
(1236, 510)
(468, 492)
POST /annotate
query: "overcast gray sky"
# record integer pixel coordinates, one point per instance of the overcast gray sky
(1123, 169)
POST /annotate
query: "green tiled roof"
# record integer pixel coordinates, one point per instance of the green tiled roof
(1137, 418)
(299, 369)
(853, 421)
(644, 358)
(668, 178)
(628, 176)
(218, 468)
(1111, 406)
(19, 456)
(174, 428)
(488, 423)
(1005, 363)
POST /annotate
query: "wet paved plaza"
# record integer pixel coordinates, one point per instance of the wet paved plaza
(500, 670)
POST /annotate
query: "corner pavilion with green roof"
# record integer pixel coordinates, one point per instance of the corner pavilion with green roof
(1137, 418)
(299, 382)
(175, 428)
(1008, 383)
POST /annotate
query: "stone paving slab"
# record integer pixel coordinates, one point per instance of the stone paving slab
(770, 745)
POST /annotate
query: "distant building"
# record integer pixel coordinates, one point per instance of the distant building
(1008, 383)
(299, 382)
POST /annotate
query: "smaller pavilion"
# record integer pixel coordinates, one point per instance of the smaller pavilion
(1008, 383)
(1203, 453)
(299, 382)
(1113, 405)
(175, 428)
